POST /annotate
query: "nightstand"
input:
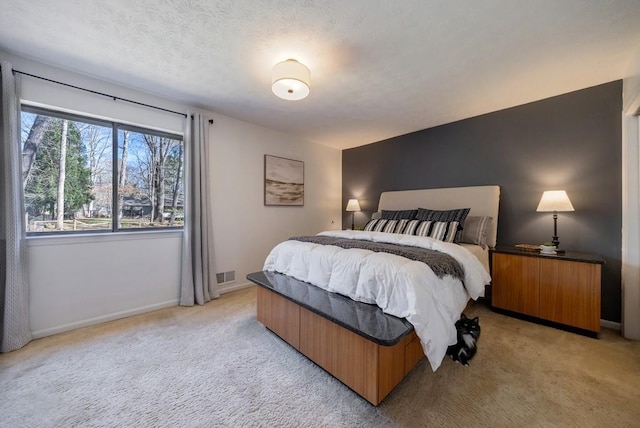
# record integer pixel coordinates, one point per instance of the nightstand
(562, 288)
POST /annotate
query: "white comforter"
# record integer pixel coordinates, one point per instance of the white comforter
(401, 287)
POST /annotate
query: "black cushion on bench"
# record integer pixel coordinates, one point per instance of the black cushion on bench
(363, 319)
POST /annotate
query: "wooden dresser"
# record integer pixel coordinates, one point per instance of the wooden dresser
(563, 288)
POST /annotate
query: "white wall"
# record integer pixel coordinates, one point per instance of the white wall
(631, 202)
(81, 280)
(245, 229)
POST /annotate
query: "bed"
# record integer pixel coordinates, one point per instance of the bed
(367, 306)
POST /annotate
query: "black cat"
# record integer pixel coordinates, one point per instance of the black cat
(468, 334)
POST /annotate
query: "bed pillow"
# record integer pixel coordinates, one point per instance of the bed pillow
(410, 227)
(385, 225)
(371, 224)
(399, 215)
(476, 229)
(441, 230)
(458, 215)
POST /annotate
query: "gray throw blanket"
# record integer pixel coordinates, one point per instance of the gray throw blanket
(440, 263)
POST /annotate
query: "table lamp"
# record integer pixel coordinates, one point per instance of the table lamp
(353, 206)
(555, 201)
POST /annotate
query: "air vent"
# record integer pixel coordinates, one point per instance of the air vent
(226, 277)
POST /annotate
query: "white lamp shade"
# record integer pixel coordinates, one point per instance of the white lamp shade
(290, 80)
(353, 205)
(555, 200)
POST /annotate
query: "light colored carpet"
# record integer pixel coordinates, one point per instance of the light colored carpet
(216, 366)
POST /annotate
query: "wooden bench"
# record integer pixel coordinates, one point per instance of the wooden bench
(357, 343)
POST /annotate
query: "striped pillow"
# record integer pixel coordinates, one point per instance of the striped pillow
(410, 228)
(441, 230)
(395, 226)
(458, 215)
(449, 215)
(374, 224)
(399, 215)
(386, 225)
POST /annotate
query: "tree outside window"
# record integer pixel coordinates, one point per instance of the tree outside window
(70, 183)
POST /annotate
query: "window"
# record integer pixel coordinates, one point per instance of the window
(78, 171)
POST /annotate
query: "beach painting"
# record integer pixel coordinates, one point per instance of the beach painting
(283, 181)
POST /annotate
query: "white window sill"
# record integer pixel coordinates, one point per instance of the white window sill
(91, 238)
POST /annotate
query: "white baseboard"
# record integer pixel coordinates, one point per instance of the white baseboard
(610, 325)
(98, 320)
(235, 287)
(123, 314)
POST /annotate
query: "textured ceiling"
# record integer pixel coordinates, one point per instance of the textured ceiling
(378, 68)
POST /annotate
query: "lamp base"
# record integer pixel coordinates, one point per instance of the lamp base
(556, 244)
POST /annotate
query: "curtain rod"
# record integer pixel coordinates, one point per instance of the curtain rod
(115, 98)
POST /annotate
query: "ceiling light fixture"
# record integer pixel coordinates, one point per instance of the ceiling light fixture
(290, 80)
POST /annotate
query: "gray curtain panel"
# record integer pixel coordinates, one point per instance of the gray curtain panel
(14, 283)
(198, 279)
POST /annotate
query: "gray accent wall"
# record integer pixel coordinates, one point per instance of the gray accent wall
(571, 142)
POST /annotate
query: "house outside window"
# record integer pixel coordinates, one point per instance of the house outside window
(81, 174)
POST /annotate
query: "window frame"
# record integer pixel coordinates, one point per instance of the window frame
(115, 127)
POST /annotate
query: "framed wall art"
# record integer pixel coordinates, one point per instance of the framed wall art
(283, 181)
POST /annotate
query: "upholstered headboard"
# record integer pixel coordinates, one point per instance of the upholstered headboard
(483, 201)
